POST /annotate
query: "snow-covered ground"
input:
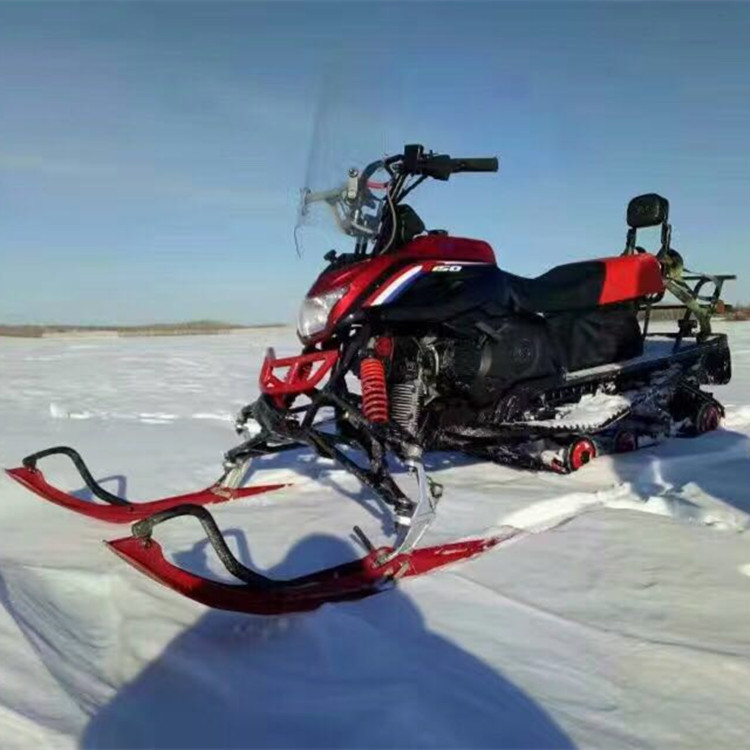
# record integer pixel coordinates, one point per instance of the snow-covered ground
(622, 620)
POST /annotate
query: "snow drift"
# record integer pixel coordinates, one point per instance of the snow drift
(617, 618)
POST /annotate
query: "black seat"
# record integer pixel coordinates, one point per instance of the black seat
(573, 286)
(586, 333)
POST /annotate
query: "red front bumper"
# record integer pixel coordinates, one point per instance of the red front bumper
(291, 376)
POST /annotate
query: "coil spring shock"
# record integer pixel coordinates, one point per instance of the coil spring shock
(406, 404)
(374, 391)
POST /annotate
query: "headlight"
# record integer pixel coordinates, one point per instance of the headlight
(313, 315)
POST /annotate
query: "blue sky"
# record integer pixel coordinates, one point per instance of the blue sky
(151, 153)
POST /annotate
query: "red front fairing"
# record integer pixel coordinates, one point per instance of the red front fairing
(293, 376)
(363, 277)
(430, 247)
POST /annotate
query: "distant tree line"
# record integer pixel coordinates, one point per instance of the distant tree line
(194, 327)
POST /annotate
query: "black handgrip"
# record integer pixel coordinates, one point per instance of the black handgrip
(441, 166)
(489, 164)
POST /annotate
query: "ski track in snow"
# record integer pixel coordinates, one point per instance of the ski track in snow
(616, 617)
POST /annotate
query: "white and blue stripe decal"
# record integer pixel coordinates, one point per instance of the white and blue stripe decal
(399, 285)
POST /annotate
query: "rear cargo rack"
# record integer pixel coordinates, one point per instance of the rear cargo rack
(698, 307)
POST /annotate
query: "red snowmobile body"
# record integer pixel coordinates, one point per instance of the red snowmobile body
(433, 262)
(450, 352)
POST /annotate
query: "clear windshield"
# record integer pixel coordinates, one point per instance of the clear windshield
(347, 134)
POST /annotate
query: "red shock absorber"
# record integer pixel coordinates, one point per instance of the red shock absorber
(374, 391)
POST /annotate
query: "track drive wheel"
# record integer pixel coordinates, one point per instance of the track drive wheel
(580, 452)
(625, 441)
(707, 419)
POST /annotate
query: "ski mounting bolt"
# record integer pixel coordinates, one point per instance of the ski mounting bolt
(436, 489)
(142, 530)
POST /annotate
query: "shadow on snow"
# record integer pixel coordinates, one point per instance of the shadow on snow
(364, 674)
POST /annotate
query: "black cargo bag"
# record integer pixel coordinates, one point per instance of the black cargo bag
(597, 337)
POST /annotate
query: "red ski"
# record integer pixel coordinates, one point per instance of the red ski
(260, 595)
(118, 509)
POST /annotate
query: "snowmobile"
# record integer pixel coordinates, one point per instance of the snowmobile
(417, 341)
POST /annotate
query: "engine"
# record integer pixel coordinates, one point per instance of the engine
(478, 365)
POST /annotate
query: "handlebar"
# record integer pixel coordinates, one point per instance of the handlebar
(489, 164)
(441, 166)
(359, 213)
(414, 161)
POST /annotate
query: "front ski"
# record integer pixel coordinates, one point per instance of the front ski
(118, 509)
(260, 595)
